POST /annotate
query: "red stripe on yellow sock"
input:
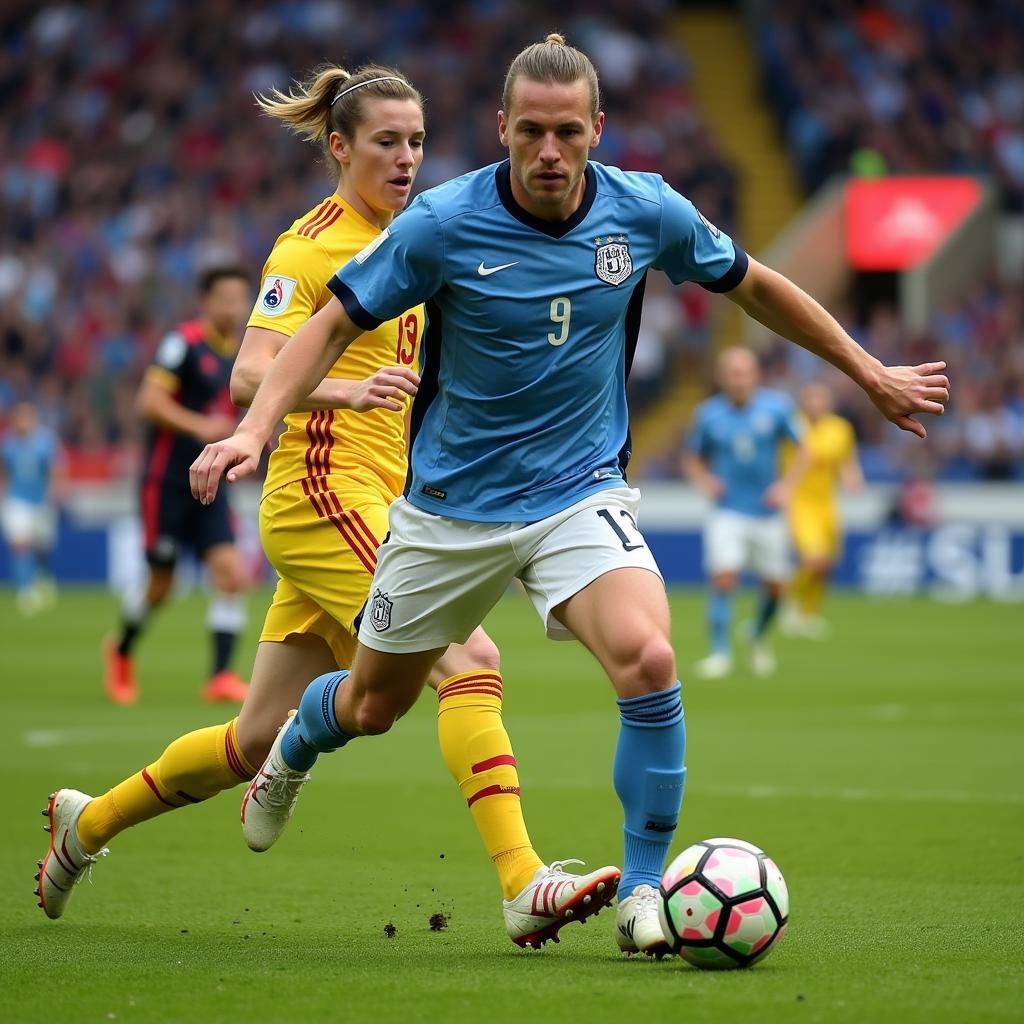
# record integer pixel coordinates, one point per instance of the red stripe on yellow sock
(486, 691)
(480, 684)
(452, 684)
(152, 785)
(236, 759)
(492, 791)
(493, 762)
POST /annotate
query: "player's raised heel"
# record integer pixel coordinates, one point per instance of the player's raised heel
(637, 926)
(554, 898)
(65, 862)
(270, 798)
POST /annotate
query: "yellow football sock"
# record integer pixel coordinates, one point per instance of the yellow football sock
(798, 589)
(814, 593)
(478, 753)
(193, 768)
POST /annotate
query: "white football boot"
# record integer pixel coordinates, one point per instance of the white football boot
(554, 898)
(270, 798)
(762, 658)
(714, 666)
(65, 862)
(637, 928)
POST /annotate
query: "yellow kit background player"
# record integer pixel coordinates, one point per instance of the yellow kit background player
(814, 515)
(339, 464)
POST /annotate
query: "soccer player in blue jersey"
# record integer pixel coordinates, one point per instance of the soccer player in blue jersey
(733, 458)
(31, 468)
(533, 272)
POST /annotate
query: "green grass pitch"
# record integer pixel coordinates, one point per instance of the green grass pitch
(883, 770)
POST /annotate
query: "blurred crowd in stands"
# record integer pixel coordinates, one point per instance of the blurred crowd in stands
(132, 156)
(981, 339)
(915, 86)
(898, 86)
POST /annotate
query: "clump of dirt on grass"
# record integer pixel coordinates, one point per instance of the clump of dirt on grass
(438, 922)
(390, 930)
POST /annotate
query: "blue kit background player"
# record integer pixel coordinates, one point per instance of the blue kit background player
(31, 467)
(733, 457)
(533, 270)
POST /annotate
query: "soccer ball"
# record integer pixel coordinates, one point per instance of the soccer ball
(723, 904)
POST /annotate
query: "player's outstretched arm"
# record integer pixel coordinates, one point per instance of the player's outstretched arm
(301, 364)
(900, 393)
(381, 390)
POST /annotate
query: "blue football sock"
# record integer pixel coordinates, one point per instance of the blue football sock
(314, 730)
(649, 778)
(720, 620)
(23, 569)
(765, 613)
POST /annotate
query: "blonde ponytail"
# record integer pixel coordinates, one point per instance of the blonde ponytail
(306, 107)
(331, 100)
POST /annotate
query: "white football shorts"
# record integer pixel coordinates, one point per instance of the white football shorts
(734, 542)
(437, 578)
(28, 525)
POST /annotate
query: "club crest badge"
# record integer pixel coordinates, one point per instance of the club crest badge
(612, 261)
(380, 611)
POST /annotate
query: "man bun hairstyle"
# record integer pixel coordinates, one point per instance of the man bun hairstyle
(331, 100)
(553, 62)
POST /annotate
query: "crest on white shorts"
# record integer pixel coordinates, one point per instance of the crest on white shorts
(380, 611)
(612, 261)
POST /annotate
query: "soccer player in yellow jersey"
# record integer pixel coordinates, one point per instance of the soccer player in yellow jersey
(813, 510)
(340, 462)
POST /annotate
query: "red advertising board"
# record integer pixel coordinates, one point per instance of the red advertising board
(898, 223)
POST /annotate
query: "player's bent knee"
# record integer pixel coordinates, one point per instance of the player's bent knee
(481, 652)
(653, 667)
(374, 718)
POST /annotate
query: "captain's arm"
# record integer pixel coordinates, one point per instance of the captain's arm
(786, 309)
(900, 393)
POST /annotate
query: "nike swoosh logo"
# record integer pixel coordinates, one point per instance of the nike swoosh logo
(486, 271)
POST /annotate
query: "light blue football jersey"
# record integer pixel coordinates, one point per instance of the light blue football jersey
(27, 464)
(531, 330)
(740, 444)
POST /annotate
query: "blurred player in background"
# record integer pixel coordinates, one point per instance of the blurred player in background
(339, 464)
(185, 399)
(814, 509)
(31, 476)
(733, 458)
(534, 269)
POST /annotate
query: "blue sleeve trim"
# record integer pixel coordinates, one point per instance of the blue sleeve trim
(732, 277)
(359, 316)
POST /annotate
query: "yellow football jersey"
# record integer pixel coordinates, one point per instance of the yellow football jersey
(831, 443)
(367, 447)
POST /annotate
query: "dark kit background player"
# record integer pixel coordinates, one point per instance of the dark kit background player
(185, 398)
